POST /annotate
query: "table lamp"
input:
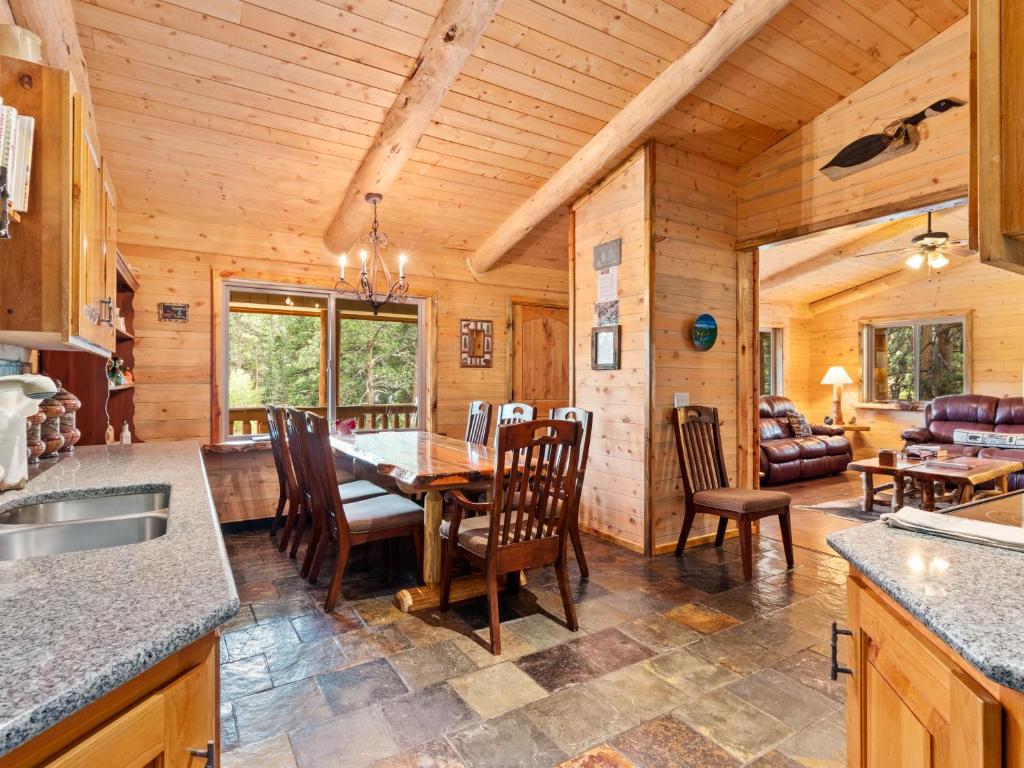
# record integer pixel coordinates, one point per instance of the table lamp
(837, 376)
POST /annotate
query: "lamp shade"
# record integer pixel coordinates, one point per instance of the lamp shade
(837, 375)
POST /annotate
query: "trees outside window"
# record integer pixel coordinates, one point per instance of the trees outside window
(917, 360)
(770, 342)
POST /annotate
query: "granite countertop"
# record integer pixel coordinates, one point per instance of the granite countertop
(967, 594)
(78, 625)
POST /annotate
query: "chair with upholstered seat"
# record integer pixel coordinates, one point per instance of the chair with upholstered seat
(525, 523)
(706, 487)
(514, 413)
(478, 422)
(350, 524)
(299, 515)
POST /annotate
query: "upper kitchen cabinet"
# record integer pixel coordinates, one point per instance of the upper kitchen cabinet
(997, 143)
(58, 269)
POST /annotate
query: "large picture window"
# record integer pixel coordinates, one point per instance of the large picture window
(916, 360)
(282, 345)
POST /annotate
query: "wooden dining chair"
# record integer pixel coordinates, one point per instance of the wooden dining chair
(346, 525)
(478, 423)
(706, 487)
(278, 449)
(299, 515)
(524, 526)
(514, 413)
(585, 420)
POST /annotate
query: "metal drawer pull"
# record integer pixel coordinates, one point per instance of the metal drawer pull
(208, 753)
(836, 669)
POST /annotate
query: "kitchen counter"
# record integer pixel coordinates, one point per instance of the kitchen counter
(78, 625)
(966, 594)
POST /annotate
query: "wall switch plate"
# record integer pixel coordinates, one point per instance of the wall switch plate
(680, 399)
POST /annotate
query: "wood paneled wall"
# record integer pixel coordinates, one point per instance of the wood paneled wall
(615, 497)
(796, 350)
(782, 193)
(990, 296)
(696, 270)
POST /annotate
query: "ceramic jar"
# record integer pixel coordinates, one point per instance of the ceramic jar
(36, 446)
(68, 429)
(52, 410)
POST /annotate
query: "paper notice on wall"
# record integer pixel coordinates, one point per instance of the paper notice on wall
(607, 284)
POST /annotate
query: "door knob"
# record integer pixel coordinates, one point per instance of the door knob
(209, 753)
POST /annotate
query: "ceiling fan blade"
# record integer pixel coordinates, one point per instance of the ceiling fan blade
(958, 250)
(881, 253)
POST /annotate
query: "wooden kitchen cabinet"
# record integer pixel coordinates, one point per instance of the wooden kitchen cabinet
(155, 720)
(910, 701)
(57, 271)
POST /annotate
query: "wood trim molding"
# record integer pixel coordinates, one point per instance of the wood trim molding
(741, 21)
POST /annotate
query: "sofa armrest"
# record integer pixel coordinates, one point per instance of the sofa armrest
(917, 435)
(826, 431)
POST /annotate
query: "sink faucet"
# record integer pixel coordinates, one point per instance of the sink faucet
(19, 398)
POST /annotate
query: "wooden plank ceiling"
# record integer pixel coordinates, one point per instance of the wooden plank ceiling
(850, 270)
(250, 116)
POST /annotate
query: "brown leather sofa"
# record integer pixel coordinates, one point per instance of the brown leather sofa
(983, 413)
(786, 458)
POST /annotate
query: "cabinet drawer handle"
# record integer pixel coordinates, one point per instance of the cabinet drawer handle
(109, 319)
(836, 669)
(208, 753)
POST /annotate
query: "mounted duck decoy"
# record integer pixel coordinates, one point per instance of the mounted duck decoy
(897, 138)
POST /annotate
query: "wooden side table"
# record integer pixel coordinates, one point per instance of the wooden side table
(978, 471)
(869, 468)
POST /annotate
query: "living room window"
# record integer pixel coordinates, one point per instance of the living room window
(915, 360)
(771, 361)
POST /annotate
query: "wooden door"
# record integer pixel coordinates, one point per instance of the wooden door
(135, 739)
(908, 704)
(540, 356)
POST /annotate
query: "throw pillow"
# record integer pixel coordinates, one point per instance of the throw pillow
(798, 424)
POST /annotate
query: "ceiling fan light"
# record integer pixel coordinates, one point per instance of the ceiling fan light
(937, 260)
(915, 261)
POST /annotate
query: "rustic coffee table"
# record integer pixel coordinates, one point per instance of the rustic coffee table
(967, 480)
(869, 468)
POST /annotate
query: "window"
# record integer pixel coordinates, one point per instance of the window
(282, 345)
(916, 359)
(771, 361)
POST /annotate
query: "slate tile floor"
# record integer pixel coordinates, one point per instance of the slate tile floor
(676, 664)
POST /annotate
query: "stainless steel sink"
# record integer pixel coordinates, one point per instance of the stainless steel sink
(113, 505)
(21, 541)
(87, 522)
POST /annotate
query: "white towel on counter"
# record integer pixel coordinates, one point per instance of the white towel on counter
(960, 528)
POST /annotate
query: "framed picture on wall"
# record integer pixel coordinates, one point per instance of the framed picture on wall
(476, 344)
(604, 348)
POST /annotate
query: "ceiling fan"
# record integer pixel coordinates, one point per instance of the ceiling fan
(932, 247)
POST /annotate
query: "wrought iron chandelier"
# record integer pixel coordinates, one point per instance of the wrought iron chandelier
(375, 285)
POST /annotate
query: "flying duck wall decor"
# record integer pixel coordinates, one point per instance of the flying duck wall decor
(897, 138)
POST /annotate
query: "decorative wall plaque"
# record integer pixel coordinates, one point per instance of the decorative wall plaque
(608, 254)
(705, 332)
(476, 344)
(172, 313)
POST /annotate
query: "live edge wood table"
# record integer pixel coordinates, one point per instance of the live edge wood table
(966, 480)
(869, 468)
(421, 462)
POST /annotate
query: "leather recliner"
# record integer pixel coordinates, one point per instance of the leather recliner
(982, 413)
(786, 458)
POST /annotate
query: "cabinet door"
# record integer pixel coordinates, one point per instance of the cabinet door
(908, 703)
(132, 740)
(90, 290)
(191, 717)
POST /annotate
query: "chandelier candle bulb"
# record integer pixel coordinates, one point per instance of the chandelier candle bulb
(401, 266)
(362, 257)
(341, 266)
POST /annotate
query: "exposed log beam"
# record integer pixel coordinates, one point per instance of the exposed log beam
(451, 40)
(887, 282)
(54, 22)
(873, 240)
(737, 24)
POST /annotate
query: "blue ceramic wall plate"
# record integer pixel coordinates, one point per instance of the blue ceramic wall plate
(705, 332)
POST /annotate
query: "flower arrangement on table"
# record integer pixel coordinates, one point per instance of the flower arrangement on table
(344, 426)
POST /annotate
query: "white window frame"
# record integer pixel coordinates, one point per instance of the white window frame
(867, 349)
(330, 297)
(777, 376)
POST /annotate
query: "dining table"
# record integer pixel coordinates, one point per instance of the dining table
(429, 464)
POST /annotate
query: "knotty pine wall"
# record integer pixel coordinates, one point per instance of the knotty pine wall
(783, 194)
(696, 270)
(615, 498)
(796, 349)
(176, 260)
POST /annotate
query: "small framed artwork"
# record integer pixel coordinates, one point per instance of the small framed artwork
(704, 332)
(604, 348)
(476, 344)
(172, 313)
